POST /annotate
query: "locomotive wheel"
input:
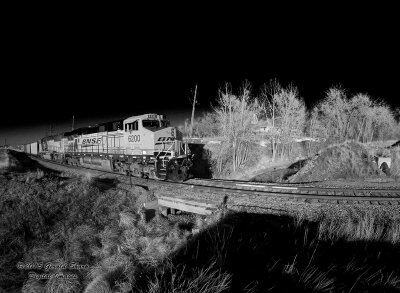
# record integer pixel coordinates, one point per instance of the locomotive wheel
(176, 172)
(160, 171)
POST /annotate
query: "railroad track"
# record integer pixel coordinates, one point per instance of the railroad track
(304, 188)
(302, 192)
(257, 190)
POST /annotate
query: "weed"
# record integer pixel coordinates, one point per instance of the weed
(180, 279)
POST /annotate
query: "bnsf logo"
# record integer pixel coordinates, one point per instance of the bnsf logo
(91, 140)
(166, 138)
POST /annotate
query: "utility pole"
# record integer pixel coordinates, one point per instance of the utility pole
(50, 131)
(73, 121)
(193, 107)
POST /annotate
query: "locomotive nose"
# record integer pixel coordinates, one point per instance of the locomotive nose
(166, 135)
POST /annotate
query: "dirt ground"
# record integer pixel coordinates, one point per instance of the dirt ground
(271, 172)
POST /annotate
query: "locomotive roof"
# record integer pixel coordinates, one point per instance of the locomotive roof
(146, 116)
(107, 126)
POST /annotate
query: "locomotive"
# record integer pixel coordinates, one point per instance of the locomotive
(144, 145)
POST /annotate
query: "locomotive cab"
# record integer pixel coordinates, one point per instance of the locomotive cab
(152, 135)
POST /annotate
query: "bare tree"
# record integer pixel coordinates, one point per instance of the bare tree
(359, 118)
(269, 95)
(334, 112)
(384, 123)
(287, 113)
(234, 115)
(206, 125)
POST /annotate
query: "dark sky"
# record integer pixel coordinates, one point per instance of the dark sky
(101, 68)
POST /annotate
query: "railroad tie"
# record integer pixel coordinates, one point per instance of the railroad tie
(298, 199)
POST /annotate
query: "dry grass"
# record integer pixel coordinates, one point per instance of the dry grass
(346, 160)
(220, 160)
(4, 162)
(57, 285)
(366, 228)
(34, 175)
(7, 160)
(178, 279)
(310, 278)
(33, 286)
(98, 285)
(46, 218)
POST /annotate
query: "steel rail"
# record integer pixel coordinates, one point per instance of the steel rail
(298, 193)
(283, 186)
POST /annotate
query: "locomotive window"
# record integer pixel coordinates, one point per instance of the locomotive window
(132, 126)
(150, 123)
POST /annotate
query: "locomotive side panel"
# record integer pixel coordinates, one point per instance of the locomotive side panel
(27, 148)
(101, 143)
(53, 146)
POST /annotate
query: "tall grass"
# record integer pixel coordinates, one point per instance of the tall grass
(46, 218)
(365, 228)
(263, 253)
(178, 279)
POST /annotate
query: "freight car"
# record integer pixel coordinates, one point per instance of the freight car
(31, 148)
(144, 145)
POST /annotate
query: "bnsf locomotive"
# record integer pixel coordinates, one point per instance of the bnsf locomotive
(144, 145)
